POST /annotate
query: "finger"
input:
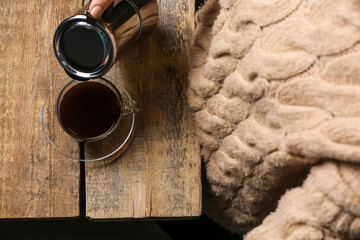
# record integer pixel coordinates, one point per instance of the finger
(97, 7)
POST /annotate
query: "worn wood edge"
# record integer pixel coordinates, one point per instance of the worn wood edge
(39, 219)
(148, 219)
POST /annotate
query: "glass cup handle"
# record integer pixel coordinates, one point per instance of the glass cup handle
(130, 107)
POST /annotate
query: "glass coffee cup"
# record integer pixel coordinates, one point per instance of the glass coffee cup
(90, 111)
(111, 139)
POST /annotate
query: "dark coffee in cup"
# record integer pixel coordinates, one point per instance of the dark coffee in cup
(89, 110)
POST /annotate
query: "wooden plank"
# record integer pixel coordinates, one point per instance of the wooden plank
(159, 174)
(35, 181)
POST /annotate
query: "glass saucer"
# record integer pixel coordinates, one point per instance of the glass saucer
(114, 144)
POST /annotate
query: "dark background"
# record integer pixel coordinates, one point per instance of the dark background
(82, 228)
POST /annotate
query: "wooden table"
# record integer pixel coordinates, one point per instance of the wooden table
(159, 174)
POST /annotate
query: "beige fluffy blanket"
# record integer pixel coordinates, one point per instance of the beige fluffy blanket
(275, 89)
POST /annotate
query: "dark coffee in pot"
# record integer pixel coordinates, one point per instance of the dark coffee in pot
(83, 48)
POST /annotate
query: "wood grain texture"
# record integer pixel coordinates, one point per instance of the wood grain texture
(35, 181)
(159, 174)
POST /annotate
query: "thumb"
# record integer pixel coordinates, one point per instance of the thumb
(97, 7)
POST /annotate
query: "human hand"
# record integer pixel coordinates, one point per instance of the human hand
(97, 7)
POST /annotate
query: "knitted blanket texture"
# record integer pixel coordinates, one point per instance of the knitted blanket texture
(275, 90)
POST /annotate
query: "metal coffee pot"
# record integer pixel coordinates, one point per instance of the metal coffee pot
(87, 47)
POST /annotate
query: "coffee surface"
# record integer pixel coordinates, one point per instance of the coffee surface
(89, 109)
